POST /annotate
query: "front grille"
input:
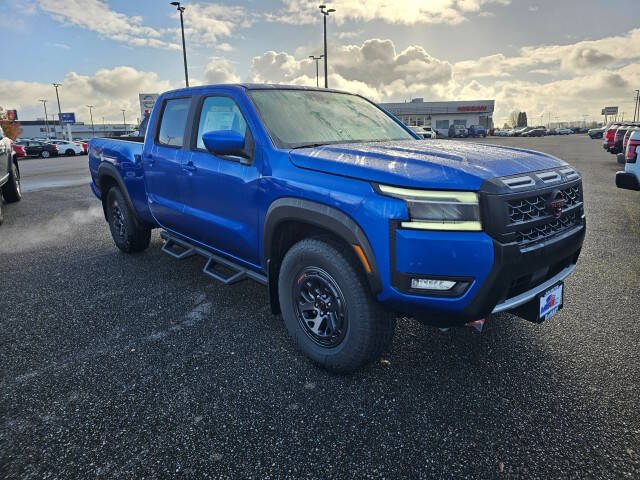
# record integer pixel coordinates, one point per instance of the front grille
(541, 232)
(527, 218)
(532, 280)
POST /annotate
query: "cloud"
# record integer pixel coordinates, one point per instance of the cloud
(405, 12)
(206, 24)
(220, 70)
(96, 15)
(374, 65)
(108, 89)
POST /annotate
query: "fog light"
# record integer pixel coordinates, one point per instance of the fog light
(431, 284)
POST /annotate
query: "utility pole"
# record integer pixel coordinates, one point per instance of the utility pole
(93, 130)
(46, 120)
(636, 110)
(124, 119)
(184, 48)
(317, 72)
(325, 14)
(56, 85)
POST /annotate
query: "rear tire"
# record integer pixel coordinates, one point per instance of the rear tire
(328, 308)
(70, 152)
(128, 235)
(45, 154)
(11, 190)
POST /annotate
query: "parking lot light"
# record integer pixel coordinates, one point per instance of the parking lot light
(184, 48)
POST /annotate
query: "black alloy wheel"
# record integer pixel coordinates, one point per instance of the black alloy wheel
(320, 307)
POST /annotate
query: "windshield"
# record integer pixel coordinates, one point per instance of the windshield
(298, 118)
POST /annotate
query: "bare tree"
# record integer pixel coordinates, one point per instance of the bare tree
(513, 118)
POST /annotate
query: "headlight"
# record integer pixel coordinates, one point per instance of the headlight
(438, 209)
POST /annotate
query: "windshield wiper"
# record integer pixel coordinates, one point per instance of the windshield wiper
(311, 145)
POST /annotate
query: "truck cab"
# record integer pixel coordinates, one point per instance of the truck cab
(343, 212)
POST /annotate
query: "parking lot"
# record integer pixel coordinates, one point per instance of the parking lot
(117, 366)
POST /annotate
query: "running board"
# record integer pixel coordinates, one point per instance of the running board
(181, 249)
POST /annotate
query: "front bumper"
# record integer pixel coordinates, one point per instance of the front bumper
(500, 276)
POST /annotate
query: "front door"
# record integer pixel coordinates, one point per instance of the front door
(220, 205)
(162, 161)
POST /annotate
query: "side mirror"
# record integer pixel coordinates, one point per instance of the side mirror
(225, 142)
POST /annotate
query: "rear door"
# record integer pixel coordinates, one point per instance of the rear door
(221, 191)
(163, 163)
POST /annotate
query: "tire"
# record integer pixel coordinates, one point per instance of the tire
(70, 152)
(45, 154)
(128, 235)
(362, 329)
(11, 190)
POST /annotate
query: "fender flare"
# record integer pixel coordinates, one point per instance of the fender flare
(108, 170)
(320, 215)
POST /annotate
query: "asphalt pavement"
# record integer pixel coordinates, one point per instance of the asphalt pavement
(138, 366)
(53, 172)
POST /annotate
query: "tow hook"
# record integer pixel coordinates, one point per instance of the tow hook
(477, 325)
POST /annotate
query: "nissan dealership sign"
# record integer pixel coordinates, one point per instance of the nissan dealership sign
(147, 101)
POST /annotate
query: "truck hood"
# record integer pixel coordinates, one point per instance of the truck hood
(443, 164)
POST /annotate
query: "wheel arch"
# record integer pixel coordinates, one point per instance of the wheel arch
(108, 177)
(289, 220)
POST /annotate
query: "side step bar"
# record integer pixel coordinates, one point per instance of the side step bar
(181, 249)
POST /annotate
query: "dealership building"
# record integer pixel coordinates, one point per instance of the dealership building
(440, 115)
(39, 129)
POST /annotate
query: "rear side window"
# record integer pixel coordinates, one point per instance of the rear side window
(174, 122)
(220, 113)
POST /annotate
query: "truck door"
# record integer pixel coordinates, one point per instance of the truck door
(221, 191)
(162, 160)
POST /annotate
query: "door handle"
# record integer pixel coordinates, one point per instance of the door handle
(189, 167)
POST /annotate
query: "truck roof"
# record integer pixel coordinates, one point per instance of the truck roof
(255, 86)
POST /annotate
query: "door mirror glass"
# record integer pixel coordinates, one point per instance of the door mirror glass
(224, 142)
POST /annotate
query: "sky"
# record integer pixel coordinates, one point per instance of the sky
(555, 59)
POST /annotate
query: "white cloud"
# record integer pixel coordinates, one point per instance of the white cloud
(96, 15)
(220, 70)
(205, 24)
(405, 12)
(108, 89)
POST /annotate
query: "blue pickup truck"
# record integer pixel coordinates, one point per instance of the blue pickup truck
(346, 216)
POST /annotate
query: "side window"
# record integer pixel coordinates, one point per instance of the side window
(174, 121)
(220, 113)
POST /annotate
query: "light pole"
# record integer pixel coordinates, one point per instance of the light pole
(56, 85)
(325, 14)
(317, 73)
(636, 110)
(124, 119)
(93, 130)
(46, 120)
(184, 48)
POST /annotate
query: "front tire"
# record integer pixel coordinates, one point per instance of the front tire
(328, 308)
(45, 154)
(70, 152)
(128, 235)
(11, 190)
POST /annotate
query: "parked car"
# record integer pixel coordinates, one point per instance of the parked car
(307, 202)
(477, 131)
(609, 134)
(503, 133)
(68, 148)
(34, 148)
(9, 173)
(620, 156)
(535, 132)
(18, 150)
(84, 144)
(630, 178)
(596, 132)
(458, 131)
(564, 131)
(424, 132)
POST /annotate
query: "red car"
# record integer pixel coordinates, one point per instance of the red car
(84, 145)
(19, 150)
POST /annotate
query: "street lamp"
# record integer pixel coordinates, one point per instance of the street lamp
(124, 119)
(46, 121)
(317, 74)
(325, 14)
(56, 85)
(184, 48)
(93, 130)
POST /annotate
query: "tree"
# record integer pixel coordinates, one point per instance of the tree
(522, 119)
(513, 118)
(10, 129)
